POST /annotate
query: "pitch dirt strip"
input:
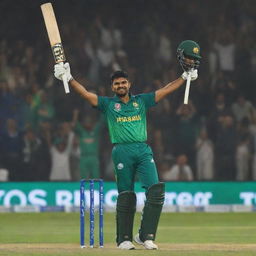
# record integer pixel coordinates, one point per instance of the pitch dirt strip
(208, 247)
(162, 246)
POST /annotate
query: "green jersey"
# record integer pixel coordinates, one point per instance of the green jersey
(89, 140)
(127, 121)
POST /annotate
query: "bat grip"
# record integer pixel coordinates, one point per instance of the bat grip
(187, 88)
(65, 83)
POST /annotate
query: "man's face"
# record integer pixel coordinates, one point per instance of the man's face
(189, 61)
(121, 86)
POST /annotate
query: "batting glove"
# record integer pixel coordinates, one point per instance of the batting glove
(193, 74)
(61, 69)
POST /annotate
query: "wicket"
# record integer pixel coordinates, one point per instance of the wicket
(91, 183)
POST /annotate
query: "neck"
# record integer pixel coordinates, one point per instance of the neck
(125, 99)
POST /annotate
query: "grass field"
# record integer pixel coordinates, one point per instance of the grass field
(179, 234)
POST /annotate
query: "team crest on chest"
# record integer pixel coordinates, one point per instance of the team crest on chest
(117, 107)
(135, 104)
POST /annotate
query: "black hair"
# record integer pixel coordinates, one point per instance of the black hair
(118, 74)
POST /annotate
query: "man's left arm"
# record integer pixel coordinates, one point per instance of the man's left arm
(172, 86)
(168, 89)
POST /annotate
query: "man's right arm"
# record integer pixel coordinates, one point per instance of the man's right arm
(92, 98)
(60, 70)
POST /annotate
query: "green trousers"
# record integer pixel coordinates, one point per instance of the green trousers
(89, 167)
(131, 160)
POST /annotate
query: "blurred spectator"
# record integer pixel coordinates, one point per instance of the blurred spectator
(75, 160)
(225, 149)
(163, 51)
(212, 55)
(11, 150)
(60, 149)
(181, 171)
(252, 129)
(158, 145)
(4, 175)
(244, 150)
(4, 69)
(202, 97)
(165, 116)
(43, 168)
(9, 103)
(231, 91)
(242, 108)
(89, 135)
(186, 131)
(31, 155)
(204, 156)
(16, 79)
(163, 168)
(44, 111)
(27, 112)
(110, 43)
(36, 94)
(215, 116)
(226, 50)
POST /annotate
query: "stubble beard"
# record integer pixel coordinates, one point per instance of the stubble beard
(122, 95)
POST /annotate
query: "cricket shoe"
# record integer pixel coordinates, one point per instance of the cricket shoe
(148, 244)
(126, 245)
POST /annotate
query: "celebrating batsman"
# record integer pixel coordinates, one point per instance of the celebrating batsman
(126, 118)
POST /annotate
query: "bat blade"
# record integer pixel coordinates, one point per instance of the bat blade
(51, 24)
(54, 37)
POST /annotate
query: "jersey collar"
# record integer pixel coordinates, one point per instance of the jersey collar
(117, 99)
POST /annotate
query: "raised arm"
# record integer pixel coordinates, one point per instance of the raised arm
(92, 98)
(74, 118)
(172, 86)
(168, 89)
(60, 70)
(188, 54)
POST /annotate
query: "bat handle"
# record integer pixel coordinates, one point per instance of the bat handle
(65, 83)
(187, 88)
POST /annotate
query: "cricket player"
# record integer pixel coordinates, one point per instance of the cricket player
(126, 118)
(89, 134)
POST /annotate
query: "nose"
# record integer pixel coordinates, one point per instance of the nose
(190, 61)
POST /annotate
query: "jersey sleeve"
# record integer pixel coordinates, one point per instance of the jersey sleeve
(149, 99)
(103, 103)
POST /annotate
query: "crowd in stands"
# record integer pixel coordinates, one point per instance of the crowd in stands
(48, 135)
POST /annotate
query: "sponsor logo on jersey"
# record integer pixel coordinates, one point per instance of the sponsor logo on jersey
(128, 119)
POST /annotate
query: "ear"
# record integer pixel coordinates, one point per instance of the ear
(112, 88)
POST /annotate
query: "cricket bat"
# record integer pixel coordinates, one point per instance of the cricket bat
(54, 38)
(187, 88)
